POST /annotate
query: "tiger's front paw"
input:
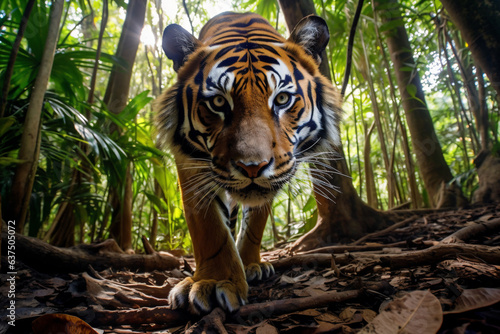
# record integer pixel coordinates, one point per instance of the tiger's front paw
(204, 295)
(259, 271)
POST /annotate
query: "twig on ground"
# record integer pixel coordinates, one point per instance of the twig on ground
(471, 231)
(309, 261)
(384, 231)
(367, 248)
(276, 307)
(439, 253)
(144, 315)
(211, 323)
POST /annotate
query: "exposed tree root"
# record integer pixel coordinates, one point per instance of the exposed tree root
(277, 307)
(470, 231)
(384, 231)
(169, 317)
(367, 248)
(426, 256)
(49, 259)
(145, 315)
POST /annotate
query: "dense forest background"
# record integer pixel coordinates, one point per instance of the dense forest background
(78, 160)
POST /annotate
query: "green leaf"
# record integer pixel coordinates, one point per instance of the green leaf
(412, 90)
(407, 69)
(310, 205)
(134, 106)
(5, 161)
(158, 202)
(393, 24)
(5, 124)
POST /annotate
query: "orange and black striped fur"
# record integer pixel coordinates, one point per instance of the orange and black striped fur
(248, 107)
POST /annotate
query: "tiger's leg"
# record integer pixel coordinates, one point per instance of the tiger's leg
(248, 242)
(219, 277)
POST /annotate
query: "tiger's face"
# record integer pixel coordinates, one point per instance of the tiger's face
(249, 105)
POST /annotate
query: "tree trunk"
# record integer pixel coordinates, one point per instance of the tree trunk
(479, 23)
(466, 71)
(117, 91)
(371, 192)
(358, 151)
(459, 108)
(62, 230)
(348, 217)
(483, 121)
(433, 167)
(116, 99)
(24, 177)
(121, 217)
(13, 55)
(153, 233)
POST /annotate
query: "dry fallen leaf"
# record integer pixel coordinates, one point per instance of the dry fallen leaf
(347, 314)
(327, 327)
(284, 280)
(368, 315)
(328, 317)
(61, 323)
(266, 328)
(472, 299)
(416, 312)
(310, 313)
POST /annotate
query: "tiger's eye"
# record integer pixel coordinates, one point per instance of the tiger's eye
(282, 99)
(218, 101)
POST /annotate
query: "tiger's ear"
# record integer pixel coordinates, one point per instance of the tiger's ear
(312, 34)
(178, 44)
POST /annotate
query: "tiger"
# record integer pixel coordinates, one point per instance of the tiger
(247, 108)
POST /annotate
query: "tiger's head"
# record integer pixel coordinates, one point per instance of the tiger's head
(249, 105)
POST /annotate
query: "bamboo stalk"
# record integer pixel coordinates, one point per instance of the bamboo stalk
(414, 192)
(380, 130)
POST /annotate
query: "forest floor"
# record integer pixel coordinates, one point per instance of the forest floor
(437, 272)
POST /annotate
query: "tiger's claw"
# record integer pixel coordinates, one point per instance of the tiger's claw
(200, 297)
(259, 271)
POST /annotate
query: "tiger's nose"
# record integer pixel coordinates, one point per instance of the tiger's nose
(252, 169)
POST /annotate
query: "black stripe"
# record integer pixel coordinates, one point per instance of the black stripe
(233, 219)
(222, 206)
(284, 163)
(269, 60)
(270, 49)
(226, 41)
(248, 32)
(249, 23)
(224, 51)
(229, 61)
(266, 40)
